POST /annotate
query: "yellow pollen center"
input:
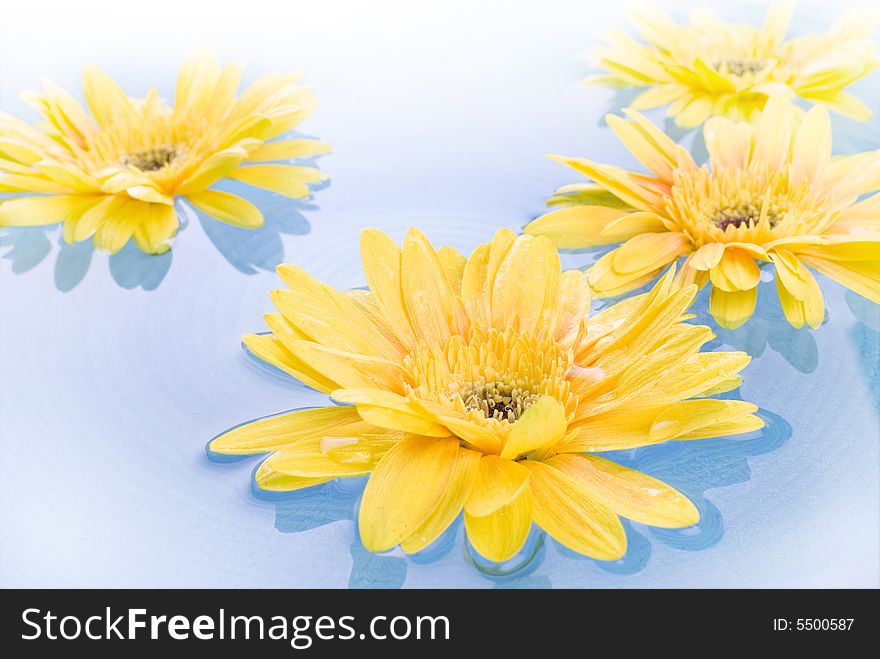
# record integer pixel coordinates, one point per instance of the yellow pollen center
(739, 67)
(497, 400)
(152, 159)
(754, 204)
(491, 377)
(747, 214)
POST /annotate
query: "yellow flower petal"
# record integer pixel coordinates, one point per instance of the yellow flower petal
(616, 181)
(276, 432)
(732, 309)
(568, 510)
(862, 219)
(684, 417)
(157, 226)
(454, 497)
(479, 276)
(227, 207)
(498, 483)
(581, 226)
(776, 23)
(606, 282)
(390, 410)
(105, 98)
(744, 424)
(34, 211)
(628, 492)
(381, 262)
(862, 277)
(328, 317)
(540, 426)
(120, 218)
(843, 103)
(573, 307)
(708, 256)
(289, 180)
(794, 275)
(701, 372)
(305, 459)
(845, 248)
(736, 271)
(612, 431)
(729, 144)
(655, 96)
(809, 308)
(499, 535)
(273, 481)
(650, 153)
(271, 350)
(649, 252)
(453, 263)
(431, 304)
(477, 436)
(774, 136)
(68, 175)
(812, 146)
(217, 166)
(408, 485)
(20, 151)
(350, 370)
(526, 283)
(196, 81)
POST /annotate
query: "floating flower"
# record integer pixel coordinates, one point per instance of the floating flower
(773, 194)
(116, 172)
(708, 67)
(478, 384)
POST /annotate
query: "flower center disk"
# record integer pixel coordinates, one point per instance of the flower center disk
(492, 377)
(152, 159)
(740, 67)
(498, 400)
(743, 214)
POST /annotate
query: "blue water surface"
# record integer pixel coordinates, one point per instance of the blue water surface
(117, 370)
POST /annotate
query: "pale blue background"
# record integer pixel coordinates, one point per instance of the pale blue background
(114, 375)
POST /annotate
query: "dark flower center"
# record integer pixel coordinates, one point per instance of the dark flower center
(498, 400)
(744, 214)
(739, 67)
(153, 159)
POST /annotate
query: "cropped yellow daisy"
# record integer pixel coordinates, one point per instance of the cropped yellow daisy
(772, 193)
(115, 171)
(708, 67)
(479, 384)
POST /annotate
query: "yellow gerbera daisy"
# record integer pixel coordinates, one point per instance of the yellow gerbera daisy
(773, 194)
(478, 384)
(708, 67)
(115, 172)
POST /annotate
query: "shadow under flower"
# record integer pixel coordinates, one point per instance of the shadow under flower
(866, 336)
(130, 267)
(28, 246)
(767, 327)
(693, 467)
(252, 250)
(303, 510)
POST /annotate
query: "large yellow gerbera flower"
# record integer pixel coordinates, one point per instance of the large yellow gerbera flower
(115, 173)
(708, 67)
(773, 194)
(477, 384)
